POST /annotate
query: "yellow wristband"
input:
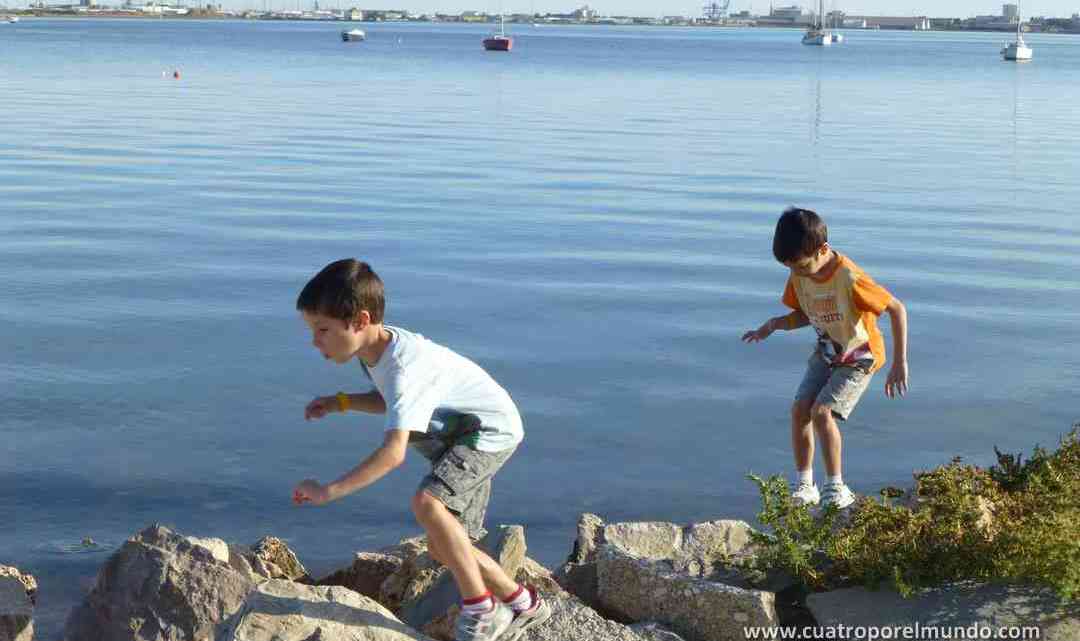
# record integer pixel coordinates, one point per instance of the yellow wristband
(343, 402)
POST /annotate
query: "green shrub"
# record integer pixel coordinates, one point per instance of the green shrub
(1017, 521)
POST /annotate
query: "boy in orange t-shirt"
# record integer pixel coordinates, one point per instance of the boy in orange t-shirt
(829, 291)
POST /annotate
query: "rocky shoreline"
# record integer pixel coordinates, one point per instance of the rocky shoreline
(642, 581)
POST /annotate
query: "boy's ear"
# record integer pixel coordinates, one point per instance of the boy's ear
(362, 320)
(824, 249)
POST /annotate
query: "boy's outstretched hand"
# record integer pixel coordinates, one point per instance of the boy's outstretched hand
(759, 334)
(896, 384)
(320, 406)
(310, 491)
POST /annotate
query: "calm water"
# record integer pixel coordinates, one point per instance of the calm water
(590, 218)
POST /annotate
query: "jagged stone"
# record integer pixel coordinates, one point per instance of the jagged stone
(654, 632)
(417, 572)
(572, 620)
(160, 586)
(281, 610)
(366, 575)
(534, 574)
(638, 589)
(703, 550)
(964, 604)
(16, 604)
(273, 559)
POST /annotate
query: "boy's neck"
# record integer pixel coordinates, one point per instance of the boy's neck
(370, 354)
(828, 268)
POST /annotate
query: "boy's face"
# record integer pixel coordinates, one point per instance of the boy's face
(335, 339)
(812, 264)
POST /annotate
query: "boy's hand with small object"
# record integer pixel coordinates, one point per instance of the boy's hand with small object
(320, 407)
(310, 491)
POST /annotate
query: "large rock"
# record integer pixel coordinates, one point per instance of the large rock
(281, 610)
(17, 592)
(641, 589)
(698, 550)
(413, 576)
(572, 620)
(161, 586)
(505, 544)
(271, 558)
(366, 575)
(960, 605)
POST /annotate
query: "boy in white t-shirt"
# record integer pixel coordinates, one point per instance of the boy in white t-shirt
(449, 409)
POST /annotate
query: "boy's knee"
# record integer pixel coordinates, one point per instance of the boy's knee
(821, 414)
(800, 410)
(424, 504)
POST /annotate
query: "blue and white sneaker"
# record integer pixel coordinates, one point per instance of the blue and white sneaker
(806, 494)
(837, 494)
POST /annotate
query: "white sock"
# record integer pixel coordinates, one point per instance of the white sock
(520, 600)
(806, 476)
(835, 480)
(480, 605)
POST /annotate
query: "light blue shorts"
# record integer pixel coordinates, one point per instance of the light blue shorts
(837, 387)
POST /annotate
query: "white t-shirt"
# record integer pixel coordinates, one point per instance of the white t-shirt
(422, 382)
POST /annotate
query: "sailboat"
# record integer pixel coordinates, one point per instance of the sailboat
(817, 34)
(499, 41)
(1017, 51)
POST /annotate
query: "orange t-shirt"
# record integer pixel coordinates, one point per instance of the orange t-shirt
(843, 306)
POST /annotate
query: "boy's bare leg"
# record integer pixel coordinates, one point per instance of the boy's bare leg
(451, 544)
(829, 434)
(495, 578)
(802, 434)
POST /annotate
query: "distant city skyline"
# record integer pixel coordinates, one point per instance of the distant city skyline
(952, 8)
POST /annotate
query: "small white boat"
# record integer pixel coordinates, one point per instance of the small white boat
(817, 38)
(353, 35)
(12, 19)
(1017, 51)
(818, 35)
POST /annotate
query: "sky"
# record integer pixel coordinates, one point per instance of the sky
(932, 8)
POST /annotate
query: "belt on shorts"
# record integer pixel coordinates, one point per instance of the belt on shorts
(460, 429)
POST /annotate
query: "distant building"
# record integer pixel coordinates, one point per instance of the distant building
(900, 23)
(1010, 12)
(354, 14)
(585, 14)
(792, 16)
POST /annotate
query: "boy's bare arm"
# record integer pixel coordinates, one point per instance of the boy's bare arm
(896, 384)
(794, 320)
(371, 402)
(381, 462)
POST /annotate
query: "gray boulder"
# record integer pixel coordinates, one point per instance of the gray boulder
(960, 605)
(366, 575)
(572, 620)
(161, 586)
(698, 550)
(271, 558)
(17, 592)
(282, 610)
(640, 589)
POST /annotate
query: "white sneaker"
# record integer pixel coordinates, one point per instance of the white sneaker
(837, 494)
(483, 627)
(806, 494)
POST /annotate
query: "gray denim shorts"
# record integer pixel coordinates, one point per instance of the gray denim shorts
(461, 478)
(838, 388)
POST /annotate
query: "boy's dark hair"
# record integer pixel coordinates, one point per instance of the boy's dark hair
(342, 290)
(799, 233)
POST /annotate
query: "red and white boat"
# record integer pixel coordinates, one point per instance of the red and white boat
(499, 41)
